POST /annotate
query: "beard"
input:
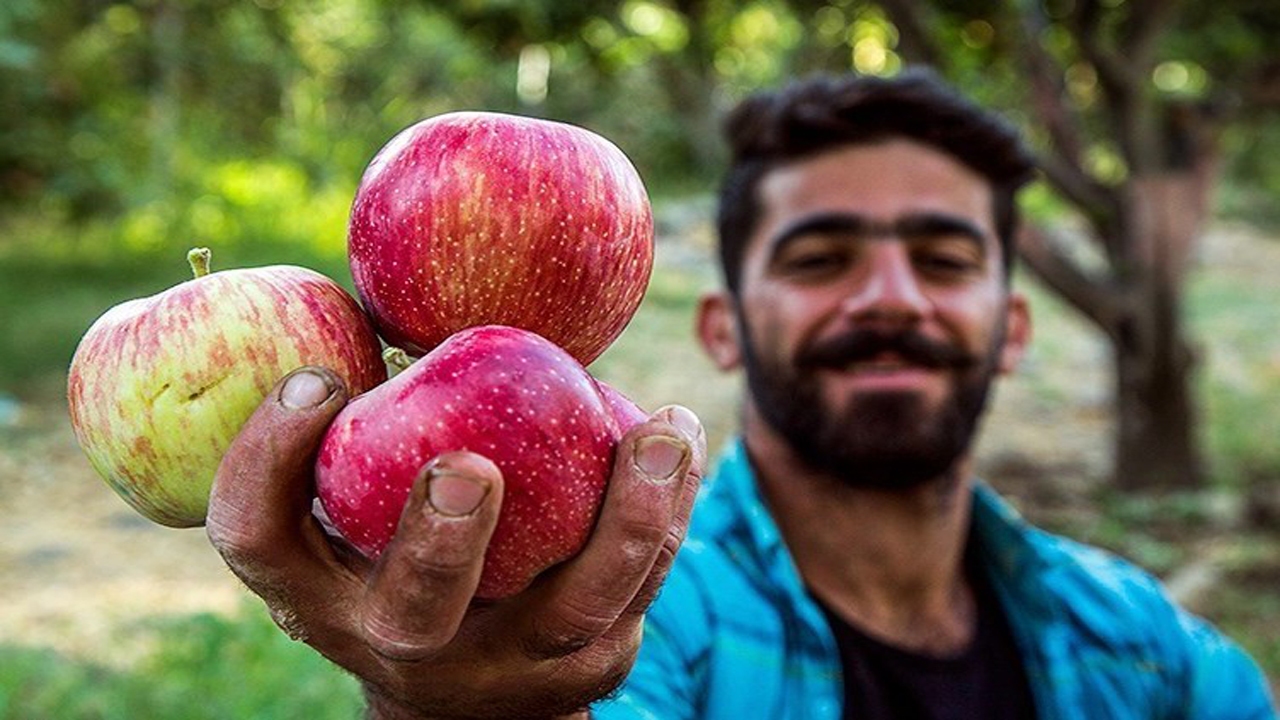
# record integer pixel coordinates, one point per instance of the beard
(885, 440)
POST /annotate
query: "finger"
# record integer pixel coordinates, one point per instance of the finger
(587, 595)
(424, 580)
(692, 429)
(260, 506)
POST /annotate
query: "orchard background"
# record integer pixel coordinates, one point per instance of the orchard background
(138, 129)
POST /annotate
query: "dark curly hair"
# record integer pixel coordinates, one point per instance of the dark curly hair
(812, 115)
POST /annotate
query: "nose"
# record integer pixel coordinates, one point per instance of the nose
(888, 289)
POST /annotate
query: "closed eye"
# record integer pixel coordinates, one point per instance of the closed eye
(948, 258)
(812, 257)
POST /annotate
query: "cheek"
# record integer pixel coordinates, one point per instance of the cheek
(777, 324)
(976, 322)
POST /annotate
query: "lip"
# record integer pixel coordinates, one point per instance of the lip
(884, 373)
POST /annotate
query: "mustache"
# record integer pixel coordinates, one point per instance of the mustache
(861, 345)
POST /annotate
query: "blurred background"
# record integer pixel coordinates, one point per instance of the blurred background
(1145, 419)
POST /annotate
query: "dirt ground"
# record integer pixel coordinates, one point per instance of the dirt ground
(79, 569)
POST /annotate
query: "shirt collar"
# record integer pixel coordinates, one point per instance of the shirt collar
(740, 511)
(733, 510)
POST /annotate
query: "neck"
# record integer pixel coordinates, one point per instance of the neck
(889, 562)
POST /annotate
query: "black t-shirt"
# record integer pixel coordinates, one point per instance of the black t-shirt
(986, 680)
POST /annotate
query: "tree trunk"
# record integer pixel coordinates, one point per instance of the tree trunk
(1145, 225)
(1155, 443)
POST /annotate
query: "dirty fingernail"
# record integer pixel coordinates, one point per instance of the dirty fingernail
(453, 494)
(304, 389)
(659, 456)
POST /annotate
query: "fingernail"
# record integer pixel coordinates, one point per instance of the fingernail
(453, 494)
(684, 420)
(304, 389)
(659, 456)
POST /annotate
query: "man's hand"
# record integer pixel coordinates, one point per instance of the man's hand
(406, 625)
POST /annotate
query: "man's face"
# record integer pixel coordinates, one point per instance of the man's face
(873, 312)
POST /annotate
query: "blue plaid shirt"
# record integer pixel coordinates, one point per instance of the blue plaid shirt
(734, 635)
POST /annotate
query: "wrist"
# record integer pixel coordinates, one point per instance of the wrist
(380, 707)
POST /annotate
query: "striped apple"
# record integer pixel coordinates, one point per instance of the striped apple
(159, 386)
(479, 218)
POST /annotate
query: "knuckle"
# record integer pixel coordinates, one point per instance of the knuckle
(634, 555)
(608, 675)
(435, 564)
(657, 574)
(239, 544)
(232, 528)
(390, 642)
(641, 532)
(667, 553)
(440, 570)
(576, 623)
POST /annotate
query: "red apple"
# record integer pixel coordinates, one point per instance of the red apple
(507, 394)
(159, 386)
(476, 218)
(627, 413)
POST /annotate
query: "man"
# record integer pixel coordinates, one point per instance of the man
(843, 561)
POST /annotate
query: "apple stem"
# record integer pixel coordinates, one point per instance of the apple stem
(199, 260)
(397, 358)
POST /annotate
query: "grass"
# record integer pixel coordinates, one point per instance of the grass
(1242, 362)
(195, 667)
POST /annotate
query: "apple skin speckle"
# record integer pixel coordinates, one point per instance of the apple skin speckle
(508, 394)
(481, 218)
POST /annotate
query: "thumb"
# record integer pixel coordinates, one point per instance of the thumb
(264, 483)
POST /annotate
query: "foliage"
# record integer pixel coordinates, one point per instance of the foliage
(195, 667)
(132, 103)
(149, 126)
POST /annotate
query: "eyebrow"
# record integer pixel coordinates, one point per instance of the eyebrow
(914, 226)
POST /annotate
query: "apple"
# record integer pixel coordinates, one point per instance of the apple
(505, 393)
(480, 218)
(159, 386)
(625, 412)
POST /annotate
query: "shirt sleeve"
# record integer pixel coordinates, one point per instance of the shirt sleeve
(1225, 683)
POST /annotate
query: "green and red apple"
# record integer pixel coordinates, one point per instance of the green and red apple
(159, 386)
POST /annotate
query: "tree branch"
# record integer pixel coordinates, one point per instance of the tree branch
(1093, 199)
(1123, 62)
(914, 42)
(1092, 297)
(1147, 20)
(1062, 166)
(1114, 71)
(1262, 88)
(1048, 91)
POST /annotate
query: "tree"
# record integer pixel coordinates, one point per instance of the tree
(1128, 115)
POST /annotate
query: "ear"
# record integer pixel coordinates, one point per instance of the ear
(718, 330)
(1017, 333)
